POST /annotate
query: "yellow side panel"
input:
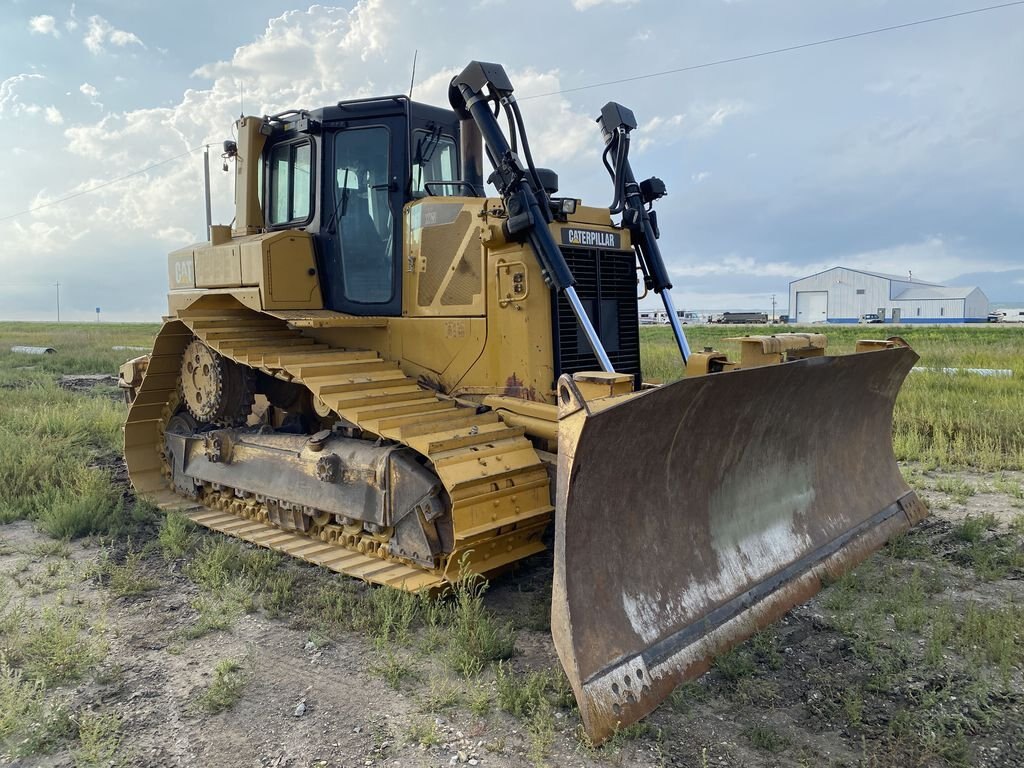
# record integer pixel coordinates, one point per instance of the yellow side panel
(218, 267)
(291, 280)
(443, 258)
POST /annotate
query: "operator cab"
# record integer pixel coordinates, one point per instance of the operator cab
(344, 174)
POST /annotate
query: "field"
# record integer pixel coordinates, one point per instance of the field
(131, 638)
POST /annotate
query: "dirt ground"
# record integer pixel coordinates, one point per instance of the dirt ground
(313, 701)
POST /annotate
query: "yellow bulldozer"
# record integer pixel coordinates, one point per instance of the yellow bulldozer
(382, 370)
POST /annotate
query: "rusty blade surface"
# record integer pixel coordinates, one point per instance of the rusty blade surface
(692, 515)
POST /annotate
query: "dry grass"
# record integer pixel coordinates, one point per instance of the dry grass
(940, 420)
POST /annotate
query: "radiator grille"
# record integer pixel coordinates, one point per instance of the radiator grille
(606, 285)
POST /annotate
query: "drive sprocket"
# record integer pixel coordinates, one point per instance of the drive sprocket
(216, 390)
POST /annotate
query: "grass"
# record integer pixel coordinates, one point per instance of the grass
(230, 678)
(58, 646)
(176, 536)
(99, 737)
(424, 733)
(31, 723)
(894, 620)
(124, 575)
(937, 420)
(476, 636)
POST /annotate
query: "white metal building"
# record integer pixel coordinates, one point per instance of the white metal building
(842, 295)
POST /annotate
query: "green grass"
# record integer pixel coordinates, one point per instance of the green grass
(230, 677)
(57, 646)
(30, 722)
(124, 575)
(99, 737)
(940, 420)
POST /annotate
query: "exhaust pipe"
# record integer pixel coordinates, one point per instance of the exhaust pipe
(471, 142)
(471, 149)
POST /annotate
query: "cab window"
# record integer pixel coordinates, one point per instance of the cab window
(434, 159)
(290, 182)
(366, 222)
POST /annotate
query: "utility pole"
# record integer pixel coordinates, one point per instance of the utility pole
(57, 284)
(773, 308)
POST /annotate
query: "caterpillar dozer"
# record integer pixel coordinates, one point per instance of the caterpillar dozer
(382, 370)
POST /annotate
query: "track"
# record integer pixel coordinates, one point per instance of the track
(496, 483)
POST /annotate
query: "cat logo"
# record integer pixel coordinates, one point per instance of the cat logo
(590, 238)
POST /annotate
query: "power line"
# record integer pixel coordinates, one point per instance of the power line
(106, 183)
(774, 51)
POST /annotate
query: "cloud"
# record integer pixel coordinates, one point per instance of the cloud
(10, 102)
(701, 176)
(53, 116)
(71, 23)
(92, 92)
(305, 59)
(584, 5)
(102, 32)
(43, 25)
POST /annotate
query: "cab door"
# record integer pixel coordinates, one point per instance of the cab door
(360, 236)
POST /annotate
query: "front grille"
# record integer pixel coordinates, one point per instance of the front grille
(606, 285)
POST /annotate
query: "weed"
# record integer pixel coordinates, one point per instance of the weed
(126, 578)
(219, 610)
(51, 548)
(853, 705)
(686, 695)
(766, 738)
(973, 528)
(229, 680)
(942, 628)
(59, 647)
(907, 546)
(756, 692)
(766, 647)
(443, 695)
(959, 489)
(176, 536)
(424, 732)
(99, 737)
(541, 732)
(475, 635)
(279, 598)
(387, 614)
(843, 593)
(518, 694)
(91, 505)
(29, 724)
(995, 636)
(480, 702)
(735, 664)
(394, 669)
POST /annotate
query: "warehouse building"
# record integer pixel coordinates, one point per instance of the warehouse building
(843, 295)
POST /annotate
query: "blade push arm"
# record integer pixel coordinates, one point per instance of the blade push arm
(519, 185)
(632, 200)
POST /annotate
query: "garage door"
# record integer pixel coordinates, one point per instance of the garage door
(811, 306)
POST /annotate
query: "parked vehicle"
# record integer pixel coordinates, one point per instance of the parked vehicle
(870, 318)
(1006, 316)
(743, 318)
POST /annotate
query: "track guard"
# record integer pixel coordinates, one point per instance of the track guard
(690, 516)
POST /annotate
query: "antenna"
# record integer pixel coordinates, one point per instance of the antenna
(412, 80)
(241, 99)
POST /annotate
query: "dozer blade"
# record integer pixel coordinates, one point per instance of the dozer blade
(692, 515)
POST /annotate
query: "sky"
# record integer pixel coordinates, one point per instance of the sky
(893, 152)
